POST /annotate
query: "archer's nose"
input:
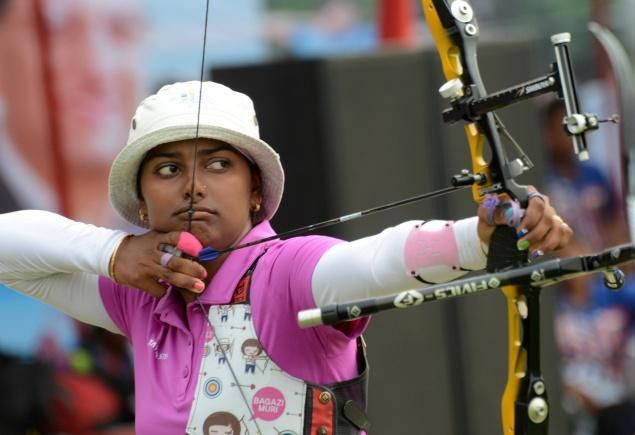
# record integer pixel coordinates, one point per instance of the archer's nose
(194, 188)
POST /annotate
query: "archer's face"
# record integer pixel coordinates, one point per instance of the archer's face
(225, 188)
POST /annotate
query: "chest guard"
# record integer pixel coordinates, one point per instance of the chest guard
(241, 390)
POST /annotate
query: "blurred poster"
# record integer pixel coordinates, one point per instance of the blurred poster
(71, 75)
(69, 82)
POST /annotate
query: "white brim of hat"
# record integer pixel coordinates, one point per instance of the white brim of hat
(125, 168)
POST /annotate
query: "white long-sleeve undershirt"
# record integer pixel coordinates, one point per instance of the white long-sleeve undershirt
(376, 265)
(58, 261)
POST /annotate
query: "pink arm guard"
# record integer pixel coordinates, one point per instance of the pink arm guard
(431, 247)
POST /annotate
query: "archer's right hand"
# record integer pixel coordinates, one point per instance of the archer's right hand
(140, 263)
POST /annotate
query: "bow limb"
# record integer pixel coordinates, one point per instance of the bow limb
(451, 61)
(455, 32)
(456, 40)
(625, 80)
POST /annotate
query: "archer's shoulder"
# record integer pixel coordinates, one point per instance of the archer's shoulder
(303, 252)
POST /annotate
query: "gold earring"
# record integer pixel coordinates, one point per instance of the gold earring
(255, 208)
(142, 216)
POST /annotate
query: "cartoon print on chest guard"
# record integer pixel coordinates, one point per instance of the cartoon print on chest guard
(221, 423)
(223, 348)
(247, 313)
(223, 311)
(252, 350)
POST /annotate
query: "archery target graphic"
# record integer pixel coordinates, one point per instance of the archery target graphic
(206, 350)
(213, 388)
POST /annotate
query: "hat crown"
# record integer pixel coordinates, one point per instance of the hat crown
(172, 115)
(177, 105)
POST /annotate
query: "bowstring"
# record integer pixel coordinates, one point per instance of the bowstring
(190, 210)
(190, 213)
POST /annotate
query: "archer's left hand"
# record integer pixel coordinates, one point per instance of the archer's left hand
(540, 230)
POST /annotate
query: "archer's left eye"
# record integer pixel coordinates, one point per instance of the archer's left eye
(218, 164)
(167, 169)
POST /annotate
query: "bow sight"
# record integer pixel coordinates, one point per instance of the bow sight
(466, 106)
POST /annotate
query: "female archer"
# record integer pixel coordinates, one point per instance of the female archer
(193, 174)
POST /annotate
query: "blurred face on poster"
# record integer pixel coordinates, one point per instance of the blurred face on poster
(92, 49)
(94, 55)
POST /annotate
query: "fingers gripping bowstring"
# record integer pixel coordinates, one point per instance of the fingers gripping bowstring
(190, 213)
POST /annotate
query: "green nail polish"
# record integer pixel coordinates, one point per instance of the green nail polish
(522, 245)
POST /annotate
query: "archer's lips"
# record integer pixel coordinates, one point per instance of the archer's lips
(199, 213)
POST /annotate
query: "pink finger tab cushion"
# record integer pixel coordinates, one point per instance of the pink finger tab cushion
(189, 244)
(427, 247)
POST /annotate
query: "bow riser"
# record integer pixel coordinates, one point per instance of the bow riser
(455, 31)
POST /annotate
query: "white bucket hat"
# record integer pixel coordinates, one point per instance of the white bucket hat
(171, 115)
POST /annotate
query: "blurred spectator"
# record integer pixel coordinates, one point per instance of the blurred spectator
(598, 96)
(593, 326)
(586, 199)
(54, 377)
(336, 28)
(594, 329)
